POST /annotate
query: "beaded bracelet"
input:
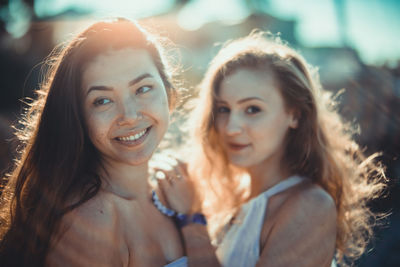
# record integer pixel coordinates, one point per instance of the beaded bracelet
(180, 219)
(161, 208)
(184, 219)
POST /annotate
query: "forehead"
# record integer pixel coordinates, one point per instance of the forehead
(115, 66)
(246, 82)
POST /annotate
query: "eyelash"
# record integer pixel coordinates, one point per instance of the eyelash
(222, 110)
(254, 108)
(249, 110)
(140, 89)
(98, 101)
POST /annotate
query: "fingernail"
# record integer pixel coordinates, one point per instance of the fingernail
(160, 175)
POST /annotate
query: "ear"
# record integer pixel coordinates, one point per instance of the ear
(294, 121)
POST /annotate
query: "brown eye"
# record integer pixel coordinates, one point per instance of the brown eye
(101, 102)
(252, 110)
(223, 109)
(144, 89)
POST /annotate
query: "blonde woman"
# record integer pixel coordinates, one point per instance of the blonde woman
(263, 118)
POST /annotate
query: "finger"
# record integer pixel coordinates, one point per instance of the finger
(162, 157)
(183, 167)
(171, 159)
(181, 172)
(170, 174)
(160, 174)
(164, 191)
(175, 176)
(167, 189)
(164, 184)
(163, 177)
(161, 165)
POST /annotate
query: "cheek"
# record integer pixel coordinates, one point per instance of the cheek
(164, 105)
(97, 128)
(276, 132)
(158, 108)
(269, 128)
(259, 128)
(219, 124)
(163, 118)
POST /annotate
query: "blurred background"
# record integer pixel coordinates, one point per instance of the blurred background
(355, 44)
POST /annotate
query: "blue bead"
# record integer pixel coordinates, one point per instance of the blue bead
(161, 208)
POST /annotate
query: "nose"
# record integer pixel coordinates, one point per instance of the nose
(234, 125)
(130, 113)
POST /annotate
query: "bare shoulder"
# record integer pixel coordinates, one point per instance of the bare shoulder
(100, 210)
(301, 225)
(311, 198)
(303, 200)
(88, 236)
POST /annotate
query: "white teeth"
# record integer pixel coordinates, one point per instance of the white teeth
(132, 137)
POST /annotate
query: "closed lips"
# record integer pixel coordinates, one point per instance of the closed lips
(237, 146)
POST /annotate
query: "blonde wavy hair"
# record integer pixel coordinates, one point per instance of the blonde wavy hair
(321, 148)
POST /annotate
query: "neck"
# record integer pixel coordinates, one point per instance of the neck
(126, 181)
(266, 174)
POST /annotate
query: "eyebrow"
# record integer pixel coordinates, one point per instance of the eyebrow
(108, 88)
(243, 100)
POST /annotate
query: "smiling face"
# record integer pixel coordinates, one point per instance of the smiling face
(251, 119)
(126, 105)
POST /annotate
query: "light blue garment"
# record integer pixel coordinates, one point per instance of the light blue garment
(241, 245)
(181, 262)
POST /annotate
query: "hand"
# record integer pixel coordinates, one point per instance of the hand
(175, 183)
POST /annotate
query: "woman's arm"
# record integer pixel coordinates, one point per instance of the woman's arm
(196, 239)
(302, 231)
(198, 246)
(180, 195)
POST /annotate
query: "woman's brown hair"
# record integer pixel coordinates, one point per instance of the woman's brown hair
(57, 170)
(320, 148)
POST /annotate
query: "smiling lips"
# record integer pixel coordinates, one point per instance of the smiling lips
(134, 139)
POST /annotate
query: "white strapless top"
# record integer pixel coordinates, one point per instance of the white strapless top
(181, 262)
(240, 246)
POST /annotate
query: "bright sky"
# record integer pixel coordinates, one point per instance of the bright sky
(372, 25)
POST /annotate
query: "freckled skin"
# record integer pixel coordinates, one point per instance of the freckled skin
(124, 96)
(118, 117)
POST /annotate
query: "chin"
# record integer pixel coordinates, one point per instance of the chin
(140, 160)
(240, 163)
(136, 160)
